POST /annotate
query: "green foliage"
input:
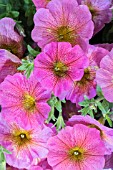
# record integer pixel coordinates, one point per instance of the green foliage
(55, 103)
(22, 12)
(32, 51)
(26, 66)
(98, 105)
(2, 157)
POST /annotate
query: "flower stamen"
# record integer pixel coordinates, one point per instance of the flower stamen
(65, 34)
(60, 69)
(28, 103)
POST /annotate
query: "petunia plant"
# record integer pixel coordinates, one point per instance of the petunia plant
(56, 85)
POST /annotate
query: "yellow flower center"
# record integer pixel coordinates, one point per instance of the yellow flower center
(65, 34)
(60, 69)
(76, 154)
(28, 103)
(20, 137)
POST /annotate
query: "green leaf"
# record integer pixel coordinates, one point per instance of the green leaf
(58, 106)
(60, 123)
(85, 102)
(8, 7)
(27, 1)
(15, 14)
(32, 51)
(51, 115)
(63, 101)
(99, 91)
(100, 106)
(22, 67)
(91, 113)
(105, 104)
(3, 165)
(27, 66)
(109, 120)
(20, 29)
(52, 101)
(29, 70)
(2, 157)
(84, 111)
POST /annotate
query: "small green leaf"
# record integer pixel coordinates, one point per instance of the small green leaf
(32, 51)
(105, 104)
(99, 91)
(52, 101)
(60, 123)
(22, 68)
(100, 106)
(3, 165)
(2, 157)
(29, 70)
(51, 115)
(15, 14)
(91, 113)
(63, 101)
(58, 106)
(27, 66)
(27, 1)
(84, 111)
(8, 7)
(109, 120)
(20, 29)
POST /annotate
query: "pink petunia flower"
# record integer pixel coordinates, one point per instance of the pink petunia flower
(78, 147)
(9, 38)
(104, 76)
(100, 10)
(63, 21)
(87, 85)
(24, 98)
(58, 66)
(8, 64)
(40, 3)
(25, 142)
(105, 132)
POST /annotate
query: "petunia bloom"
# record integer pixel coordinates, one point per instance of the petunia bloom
(8, 64)
(58, 66)
(40, 3)
(105, 132)
(78, 147)
(101, 12)
(104, 76)
(63, 21)
(25, 142)
(9, 39)
(24, 98)
(87, 85)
